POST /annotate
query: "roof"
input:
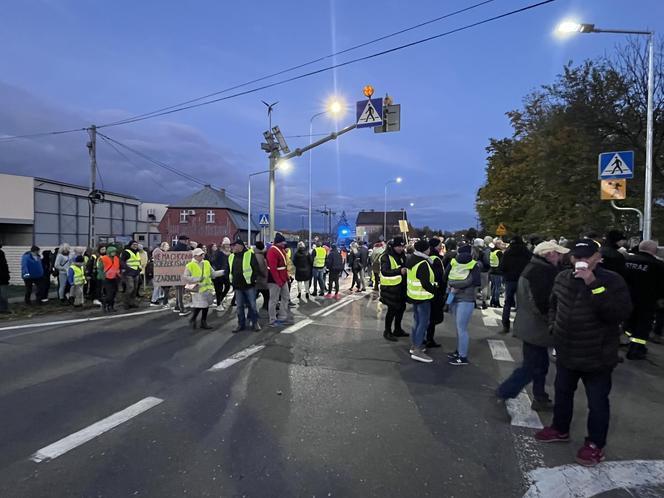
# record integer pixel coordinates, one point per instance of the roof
(240, 221)
(211, 198)
(365, 218)
(64, 184)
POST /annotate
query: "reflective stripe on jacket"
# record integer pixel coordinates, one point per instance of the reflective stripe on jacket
(247, 271)
(319, 257)
(134, 260)
(205, 275)
(395, 280)
(460, 271)
(79, 274)
(414, 288)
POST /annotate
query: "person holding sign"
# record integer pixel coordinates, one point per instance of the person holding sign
(198, 275)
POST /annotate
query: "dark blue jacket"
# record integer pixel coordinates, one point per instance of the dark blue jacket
(31, 266)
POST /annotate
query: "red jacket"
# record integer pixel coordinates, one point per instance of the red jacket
(276, 264)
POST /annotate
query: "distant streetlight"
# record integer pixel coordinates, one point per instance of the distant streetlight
(398, 179)
(334, 107)
(283, 165)
(570, 27)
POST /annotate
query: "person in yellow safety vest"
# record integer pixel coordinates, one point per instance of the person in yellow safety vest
(393, 288)
(463, 278)
(198, 275)
(495, 275)
(319, 254)
(244, 272)
(420, 288)
(130, 266)
(77, 280)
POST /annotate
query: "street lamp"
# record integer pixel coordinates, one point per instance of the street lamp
(568, 27)
(282, 165)
(334, 107)
(398, 179)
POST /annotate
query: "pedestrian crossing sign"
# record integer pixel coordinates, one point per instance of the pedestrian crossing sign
(264, 220)
(369, 113)
(615, 165)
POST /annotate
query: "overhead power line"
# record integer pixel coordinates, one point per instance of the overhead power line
(42, 134)
(335, 66)
(305, 64)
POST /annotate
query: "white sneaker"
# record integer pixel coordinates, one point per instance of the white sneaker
(221, 308)
(96, 302)
(418, 355)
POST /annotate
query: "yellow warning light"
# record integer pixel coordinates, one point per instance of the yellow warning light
(368, 91)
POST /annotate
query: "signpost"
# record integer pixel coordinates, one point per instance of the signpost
(169, 267)
(264, 220)
(616, 165)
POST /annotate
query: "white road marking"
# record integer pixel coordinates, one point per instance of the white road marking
(332, 306)
(575, 481)
(297, 326)
(82, 320)
(330, 311)
(499, 351)
(237, 357)
(521, 413)
(84, 435)
(491, 322)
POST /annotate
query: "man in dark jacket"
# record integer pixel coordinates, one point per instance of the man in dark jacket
(612, 258)
(644, 274)
(366, 263)
(420, 288)
(130, 266)
(4, 282)
(531, 324)
(587, 307)
(244, 272)
(335, 266)
(303, 262)
(32, 272)
(438, 302)
(514, 260)
(393, 288)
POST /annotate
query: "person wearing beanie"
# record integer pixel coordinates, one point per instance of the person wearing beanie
(108, 273)
(130, 267)
(244, 274)
(261, 282)
(438, 301)
(514, 260)
(303, 262)
(32, 272)
(77, 280)
(335, 266)
(420, 289)
(277, 281)
(222, 283)
(612, 258)
(393, 288)
(463, 278)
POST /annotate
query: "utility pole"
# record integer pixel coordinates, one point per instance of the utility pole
(274, 157)
(92, 150)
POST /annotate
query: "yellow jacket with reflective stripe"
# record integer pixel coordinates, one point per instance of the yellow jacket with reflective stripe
(79, 274)
(414, 288)
(134, 260)
(319, 257)
(460, 271)
(205, 274)
(395, 280)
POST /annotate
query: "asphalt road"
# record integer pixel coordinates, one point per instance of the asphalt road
(322, 408)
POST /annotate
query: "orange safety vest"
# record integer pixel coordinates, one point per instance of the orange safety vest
(111, 266)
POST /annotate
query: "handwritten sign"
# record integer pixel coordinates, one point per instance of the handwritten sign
(169, 267)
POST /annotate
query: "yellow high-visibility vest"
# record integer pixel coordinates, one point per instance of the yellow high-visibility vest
(414, 287)
(134, 260)
(493, 258)
(79, 275)
(390, 281)
(460, 271)
(319, 257)
(205, 275)
(247, 271)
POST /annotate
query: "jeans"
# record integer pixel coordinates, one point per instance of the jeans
(394, 315)
(496, 282)
(363, 278)
(334, 282)
(598, 387)
(179, 298)
(510, 302)
(246, 298)
(534, 368)
(157, 294)
(278, 295)
(4, 298)
(485, 289)
(421, 313)
(319, 278)
(462, 312)
(62, 284)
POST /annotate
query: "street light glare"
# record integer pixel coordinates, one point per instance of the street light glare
(412, 204)
(335, 107)
(567, 27)
(399, 179)
(284, 165)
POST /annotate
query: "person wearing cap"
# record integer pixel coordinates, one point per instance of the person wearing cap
(393, 288)
(77, 280)
(219, 261)
(244, 273)
(588, 304)
(515, 258)
(335, 266)
(644, 274)
(108, 273)
(420, 289)
(182, 245)
(130, 268)
(531, 324)
(277, 281)
(198, 275)
(612, 258)
(463, 278)
(438, 301)
(32, 272)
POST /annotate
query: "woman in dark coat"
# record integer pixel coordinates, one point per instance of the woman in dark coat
(303, 262)
(438, 301)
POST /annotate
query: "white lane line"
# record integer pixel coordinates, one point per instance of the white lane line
(329, 312)
(491, 322)
(81, 320)
(297, 326)
(84, 435)
(328, 308)
(584, 482)
(521, 413)
(237, 357)
(499, 351)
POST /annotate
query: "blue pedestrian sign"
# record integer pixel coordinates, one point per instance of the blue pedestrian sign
(615, 165)
(369, 113)
(264, 220)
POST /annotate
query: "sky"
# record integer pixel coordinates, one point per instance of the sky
(68, 64)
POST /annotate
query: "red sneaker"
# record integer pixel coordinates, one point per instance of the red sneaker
(551, 435)
(328, 296)
(589, 455)
(337, 296)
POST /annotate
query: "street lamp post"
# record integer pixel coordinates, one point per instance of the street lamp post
(284, 165)
(396, 180)
(573, 27)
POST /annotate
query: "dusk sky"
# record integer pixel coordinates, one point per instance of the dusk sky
(68, 64)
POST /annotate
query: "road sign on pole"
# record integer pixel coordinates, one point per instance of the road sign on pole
(615, 165)
(264, 220)
(369, 113)
(391, 119)
(613, 190)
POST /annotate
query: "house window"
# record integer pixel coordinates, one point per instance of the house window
(209, 217)
(183, 216)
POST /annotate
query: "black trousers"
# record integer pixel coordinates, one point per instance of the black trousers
(334, 281)
(640, 323)
(109, 291)
(659, 322)
(598, 387)
(221, 287)
(395, 315)
(356, 280)
(203, 312)
(38, 284)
